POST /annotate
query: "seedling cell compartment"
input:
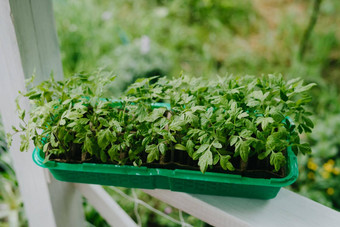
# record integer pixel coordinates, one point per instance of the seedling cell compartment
(190, 181)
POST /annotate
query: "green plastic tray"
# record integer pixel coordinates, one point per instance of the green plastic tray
(189, 181)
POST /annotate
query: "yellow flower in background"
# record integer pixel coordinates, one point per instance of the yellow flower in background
(336, 171)
(331, 162)
(312, 165)
(330, 191)
(328, 167)
(325, 174)
(311, 175)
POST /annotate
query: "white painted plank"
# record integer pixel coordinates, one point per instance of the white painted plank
(34, 188)
(46, 204)
(35, 30)
(287, 209)
(198, 208)
(105, 205)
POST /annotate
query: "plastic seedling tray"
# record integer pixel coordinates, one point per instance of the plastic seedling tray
(189, 181)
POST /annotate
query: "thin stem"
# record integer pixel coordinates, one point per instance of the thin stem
(139, 220)
(306, 36)
(180, 213)
(142, 203)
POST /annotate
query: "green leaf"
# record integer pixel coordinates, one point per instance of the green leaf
(202, 148)
(24, 145)
(72, 124)
(47, 157)
(53, 141)
(244, 151)
(153, 153)
(172, 138)
(22, 114)
(113, 153)
(137, 162)
(277, 160)
(196, 155)
(217, 144)
(230, 166)
(252, 103)
(103, 138)
(205, 160)
(305, 128)
(245, 133)
(115, 124)
(259, 95)
(190, 117)
(293, 81)
(156, 113)
(88, 145)
(103, 122)
(14, 129)
(251, 126)
(83, 121)
(198, 108)
(180, 147)
(176, 125)
(216, 159)
(209, 112)
(190, 147)
(308, 122)
(305, 148)
(72, 115)
(46, 147)
(103, 156)
(243, 115)
(283, 96)
(162, 148)
(225, 163)
(186, 98)
(301, 89)
(9, 139)
(34, 96)
(272, 142)
(264, 121)
(276, 115)
(264, 155)
(233, 107)
(146, 141)
(62, 122)
(233, 140)
(203, 138)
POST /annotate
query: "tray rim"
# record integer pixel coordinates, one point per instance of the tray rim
(292, 170)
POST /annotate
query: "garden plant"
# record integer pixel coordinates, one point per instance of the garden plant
(240, 124)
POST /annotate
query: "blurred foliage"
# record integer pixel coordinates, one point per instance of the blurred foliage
(11, 205)
(320, 172)
(3, 145)
(201, 37)
(206, 37)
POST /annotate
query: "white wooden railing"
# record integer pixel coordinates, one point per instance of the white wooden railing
(28, 43)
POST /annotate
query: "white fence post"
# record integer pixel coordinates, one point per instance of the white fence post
(28, 43)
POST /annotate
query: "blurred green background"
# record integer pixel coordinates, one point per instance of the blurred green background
(204, 38)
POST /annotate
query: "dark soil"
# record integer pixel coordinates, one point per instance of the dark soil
(176, 159)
